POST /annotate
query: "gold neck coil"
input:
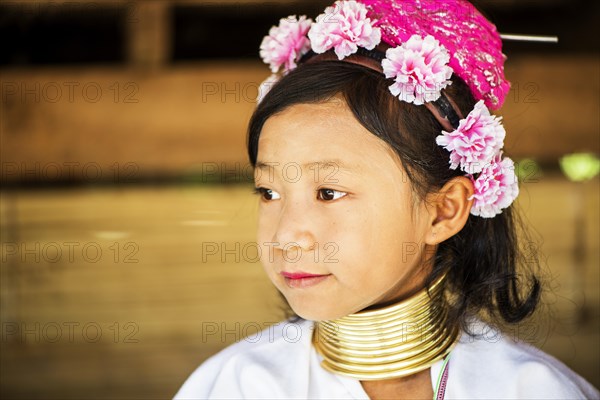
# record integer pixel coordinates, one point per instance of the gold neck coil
(390, 342)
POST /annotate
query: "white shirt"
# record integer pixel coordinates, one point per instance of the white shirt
(281, 363)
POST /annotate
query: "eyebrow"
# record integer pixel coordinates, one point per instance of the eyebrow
(321, 164)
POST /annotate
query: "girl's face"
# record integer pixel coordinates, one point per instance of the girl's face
(336, 203)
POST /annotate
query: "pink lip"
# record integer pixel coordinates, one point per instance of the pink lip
(299, 275)
(302, 279)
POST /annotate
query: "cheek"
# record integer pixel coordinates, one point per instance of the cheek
(377, 239)
(351, 246)
(265, 226)
(264, 238)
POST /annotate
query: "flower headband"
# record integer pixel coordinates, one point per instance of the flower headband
(430, 40)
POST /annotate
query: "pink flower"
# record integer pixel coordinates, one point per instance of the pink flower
(478, 138)
(344, 27)
(286, 43)
(266, 86)
(420, 68)
(495, 188)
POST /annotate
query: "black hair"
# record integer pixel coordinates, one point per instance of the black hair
(483, 260)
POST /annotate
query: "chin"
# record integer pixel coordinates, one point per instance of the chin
(315, 312)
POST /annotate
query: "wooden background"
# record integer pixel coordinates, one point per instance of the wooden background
(169, 287)
(179, 121)
(119, 271)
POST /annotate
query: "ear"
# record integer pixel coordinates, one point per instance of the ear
(449, 209)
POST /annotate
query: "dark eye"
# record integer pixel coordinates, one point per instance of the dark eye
(267, 194)
(330, 194)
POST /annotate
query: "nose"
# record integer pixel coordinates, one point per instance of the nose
(295, 229)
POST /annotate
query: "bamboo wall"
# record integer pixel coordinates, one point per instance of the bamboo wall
(122, 292)
(124, 124)
(124, 262)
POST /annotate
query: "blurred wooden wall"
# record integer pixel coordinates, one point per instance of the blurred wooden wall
(123, 292)
(115, 292)
(170, 121)
(150, 117)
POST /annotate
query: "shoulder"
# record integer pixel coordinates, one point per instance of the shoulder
(494, 363)
(251, 366)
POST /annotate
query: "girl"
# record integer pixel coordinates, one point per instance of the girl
(385, 215)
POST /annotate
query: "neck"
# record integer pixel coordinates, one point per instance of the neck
(390, 342)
